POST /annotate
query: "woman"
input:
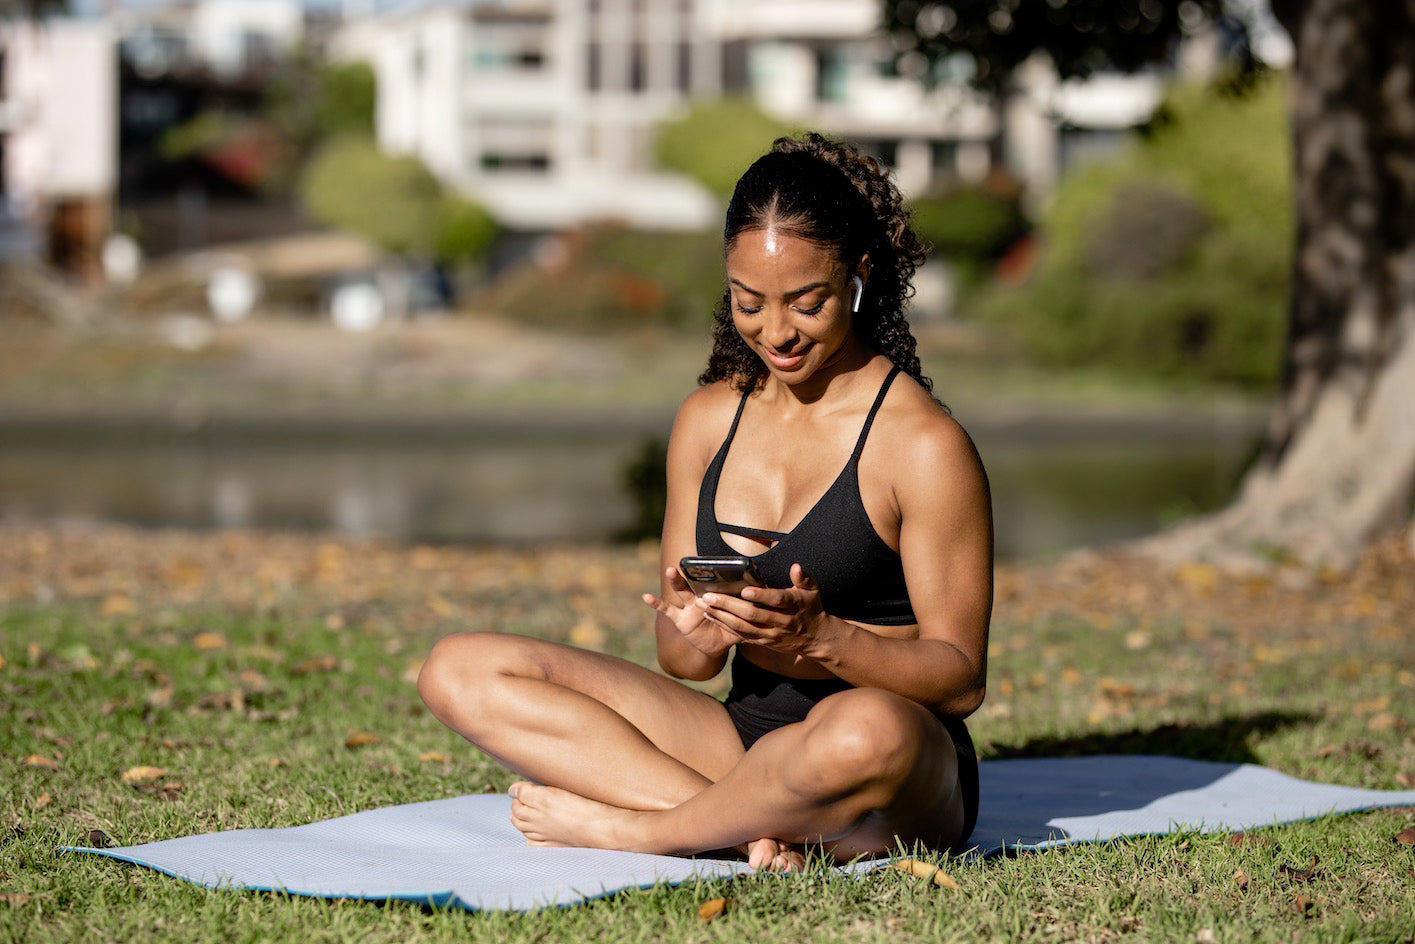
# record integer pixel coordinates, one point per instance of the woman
(867, 513)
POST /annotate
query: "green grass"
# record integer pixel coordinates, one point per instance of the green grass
(246, 700)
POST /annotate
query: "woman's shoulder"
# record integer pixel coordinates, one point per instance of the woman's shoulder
(706, 414)
(920, 432)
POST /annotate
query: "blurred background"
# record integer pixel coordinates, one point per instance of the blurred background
(442, 271)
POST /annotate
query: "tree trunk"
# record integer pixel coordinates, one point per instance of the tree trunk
(1338, 464)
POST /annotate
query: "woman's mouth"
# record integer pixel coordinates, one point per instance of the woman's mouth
(783, 361)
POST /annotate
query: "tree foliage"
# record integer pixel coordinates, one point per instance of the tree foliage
(986, 40)
(1175, 256)
(715, 141)
(395, 202)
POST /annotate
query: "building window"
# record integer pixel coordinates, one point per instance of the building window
(510, 45)
(509, 144)
(638, 67)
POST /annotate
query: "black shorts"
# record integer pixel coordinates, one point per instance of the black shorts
(761, 701)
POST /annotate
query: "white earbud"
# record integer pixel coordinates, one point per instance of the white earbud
(859, 284)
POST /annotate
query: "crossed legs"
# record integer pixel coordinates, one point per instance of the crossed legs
(625, 758)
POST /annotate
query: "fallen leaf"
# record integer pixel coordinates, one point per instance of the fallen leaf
(160, 697)
(1381, 722)
(712, 909)
(433, 757)
(1302, 905)
(1405, 779)
(1246, 839)
(1241, 878)
(15, 899)
(1406, 837)
(209, 641)
(326, 663)
(587, 634)
(1300, 875)
(274, 762)
(43, 800)
(1205, 936)
(97, 839)
(116, 604)
(927, 871)
(164, 790)
(142, 774)
(361, 739)
(39, 760)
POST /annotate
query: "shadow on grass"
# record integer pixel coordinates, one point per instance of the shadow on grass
(1225, 739)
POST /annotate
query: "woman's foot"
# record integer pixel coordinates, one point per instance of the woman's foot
(549, 816)
(773, 855)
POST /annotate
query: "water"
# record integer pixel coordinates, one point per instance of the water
(1050, 492)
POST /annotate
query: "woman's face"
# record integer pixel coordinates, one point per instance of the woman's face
(790, 302)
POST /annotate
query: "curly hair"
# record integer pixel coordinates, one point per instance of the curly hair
(829, 193)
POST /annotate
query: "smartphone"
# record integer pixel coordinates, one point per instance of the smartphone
(719, 574)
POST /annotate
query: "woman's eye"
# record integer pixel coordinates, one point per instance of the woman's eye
(813, 310)
(748, 311)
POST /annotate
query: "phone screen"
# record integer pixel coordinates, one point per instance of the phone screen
(719, 574)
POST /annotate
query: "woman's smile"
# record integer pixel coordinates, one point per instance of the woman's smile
(790, 302)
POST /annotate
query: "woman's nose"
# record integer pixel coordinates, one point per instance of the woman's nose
(780, 333)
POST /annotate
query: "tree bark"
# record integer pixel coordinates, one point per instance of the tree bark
(1338, 464)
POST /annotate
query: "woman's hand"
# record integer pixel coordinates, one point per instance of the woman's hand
(691, 620)
(788, 621)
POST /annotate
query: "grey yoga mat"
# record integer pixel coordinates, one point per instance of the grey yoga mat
(463, 852)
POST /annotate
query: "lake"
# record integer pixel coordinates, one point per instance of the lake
(1055, 486)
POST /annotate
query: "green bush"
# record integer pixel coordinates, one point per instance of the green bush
(395, 202)
(715, 141)
(613, 277)
(1174, 258)
(970, 227)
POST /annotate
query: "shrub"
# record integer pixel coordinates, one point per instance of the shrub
(613, 277)
(1173, 259)
(715, 141)
(970, 227)
(395, 202)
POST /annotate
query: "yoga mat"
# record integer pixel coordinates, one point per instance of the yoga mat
(463, 852)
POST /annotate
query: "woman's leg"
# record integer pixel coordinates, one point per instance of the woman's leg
(592, 724)
(865, 770)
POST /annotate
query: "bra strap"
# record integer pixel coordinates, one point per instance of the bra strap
(759, 534)
(869, 419)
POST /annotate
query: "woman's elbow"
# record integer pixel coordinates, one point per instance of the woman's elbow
(964, 703)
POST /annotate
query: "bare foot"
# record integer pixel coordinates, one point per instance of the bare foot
(549, 816)
(773, 855)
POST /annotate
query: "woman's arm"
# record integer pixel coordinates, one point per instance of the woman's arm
(945, 542)
(689, 645)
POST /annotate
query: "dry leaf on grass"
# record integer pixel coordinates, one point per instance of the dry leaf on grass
(1300, 875)
(209, 641)
(97, 839)
(361, 739)
(926, 871)
(712, 909)
(40, 761)
(1246, 839)
(327, 663)
(1302, 905)
(43, 800)
(142, 774)
(433, 757)
(1406, 837)
(1240, 877)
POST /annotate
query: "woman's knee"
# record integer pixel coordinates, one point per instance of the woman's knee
(462, 667)
(862, 738)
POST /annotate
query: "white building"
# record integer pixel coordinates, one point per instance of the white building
(58, 139)
(824, 64)
(228, 38)
(544, 110)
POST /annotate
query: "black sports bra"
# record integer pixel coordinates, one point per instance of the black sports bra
(861, 577)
